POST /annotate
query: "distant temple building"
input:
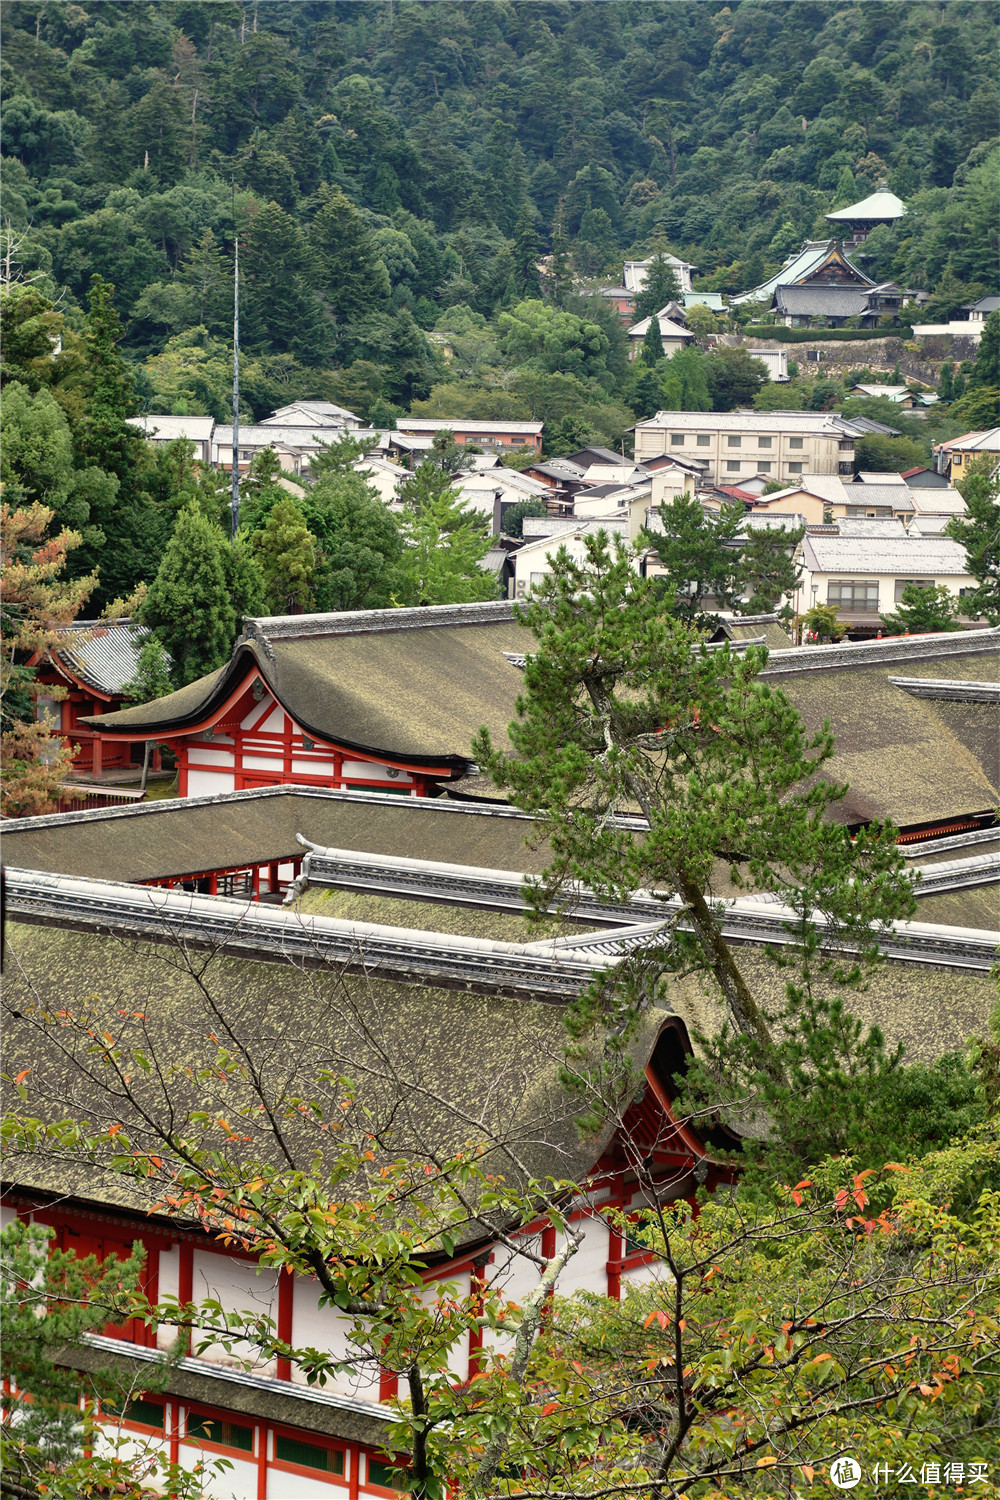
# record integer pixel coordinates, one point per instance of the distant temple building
(821, 286)
(861, 218)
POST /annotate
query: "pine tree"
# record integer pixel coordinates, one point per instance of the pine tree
(979, 533)
(652, 343)
(660, 287)
(526, 251)
(621, 710)
(188, 606)
(152, 674)
(445, 544)
(286, 551)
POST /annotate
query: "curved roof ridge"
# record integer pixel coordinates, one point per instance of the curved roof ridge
(264, 628)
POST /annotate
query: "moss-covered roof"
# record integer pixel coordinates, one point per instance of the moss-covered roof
(430, 916)
(914, 760)
(182, 837)
(977, 907)
(417, 693)
(436, 1069)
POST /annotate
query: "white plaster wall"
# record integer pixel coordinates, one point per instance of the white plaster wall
(168, 1287)
(239, 1286)
(210, 783)
(237, 1483)
(264, 762)
(282, 1486)
(586, 1271)
(205, 755)
(312, 767)
(326, 1328)
(372, 772)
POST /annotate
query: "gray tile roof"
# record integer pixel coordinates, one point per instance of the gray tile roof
(822, 301)
(907, 556)
(104, 656)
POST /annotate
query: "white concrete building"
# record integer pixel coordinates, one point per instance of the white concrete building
(862, 567)
(163, 428)
(781, 445)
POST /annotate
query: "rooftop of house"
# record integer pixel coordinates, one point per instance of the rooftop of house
(973, 442)
(884, 551)
(985, 305)
(105, 657)
(668, 328)
(325, 412)
(461, 424)
(279, 434)
(829, 488)
(877, 206)
(825, 424)
(891, 392)
(877, 476)
(805, 262)
(885, 527)
(897, 496)
(168, 428)
(822, 301)
(712, 300)
(634, 271)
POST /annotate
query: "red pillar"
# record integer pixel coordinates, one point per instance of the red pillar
(272, 877)
(256, 883)
(97, 755)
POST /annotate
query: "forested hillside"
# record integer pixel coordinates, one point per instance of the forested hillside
(397, 169)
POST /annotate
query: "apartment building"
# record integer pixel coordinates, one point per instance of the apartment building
(482, 434)
(737, 445)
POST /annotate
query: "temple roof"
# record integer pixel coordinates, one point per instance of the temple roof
(412, 684)
(877, 206)
(811, 261)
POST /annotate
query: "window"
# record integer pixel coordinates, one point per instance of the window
(733, 465)
(703, 439)
(288, 1450)
(795, 468)
(734, 442)
(917, 583)
(676, 439)
(537, 579)
(859, 597)
(795, 442)
(147, 1413)
(384, 1474)
(764, 442)
(214, 1430)
(246, 453)
(763, 466)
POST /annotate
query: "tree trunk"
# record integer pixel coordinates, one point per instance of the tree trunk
(147, 752)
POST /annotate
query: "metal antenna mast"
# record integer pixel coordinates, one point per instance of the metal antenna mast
(236, 376)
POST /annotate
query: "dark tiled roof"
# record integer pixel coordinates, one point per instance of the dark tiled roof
(822, 301)
(105, 657)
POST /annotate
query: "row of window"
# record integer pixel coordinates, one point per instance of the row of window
(764, 466)
(862, 597)
(704, 439)
(239, 1437)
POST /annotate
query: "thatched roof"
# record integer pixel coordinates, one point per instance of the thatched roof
(415, 684)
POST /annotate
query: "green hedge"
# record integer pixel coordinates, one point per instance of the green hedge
(821, 335)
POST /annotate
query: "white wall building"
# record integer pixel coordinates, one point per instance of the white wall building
(862, 567)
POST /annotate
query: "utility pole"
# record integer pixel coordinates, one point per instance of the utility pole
(236, 376)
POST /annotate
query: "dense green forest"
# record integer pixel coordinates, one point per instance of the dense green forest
(396, 170)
